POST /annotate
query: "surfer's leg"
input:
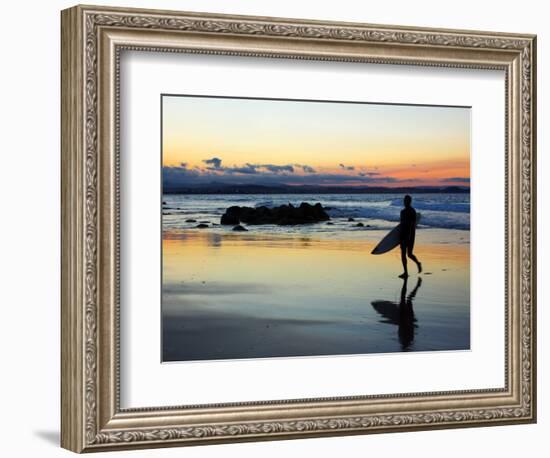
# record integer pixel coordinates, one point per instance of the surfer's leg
(405, 273)
(413, 257)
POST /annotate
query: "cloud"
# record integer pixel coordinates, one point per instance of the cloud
(255, 174)
(348, 167)
(246, 169)
(277, 168)
(214, 173)
(306, 168)
(339, 179)
(456, 180)
(215, 162)
(180, 176)
(216, 166)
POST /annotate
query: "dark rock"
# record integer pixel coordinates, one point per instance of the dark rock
(238, 227)
(283, 215)
(359, 225)
(163, 203)
(330, 223)
(202, 226)
(231, 216)
(190, 220)
(368, 225)
(204, 222)
(350, 220)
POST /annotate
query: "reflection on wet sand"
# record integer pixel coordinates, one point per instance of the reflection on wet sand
(401, 315)
(247, 295)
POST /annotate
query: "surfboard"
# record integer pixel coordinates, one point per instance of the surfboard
(391, 240)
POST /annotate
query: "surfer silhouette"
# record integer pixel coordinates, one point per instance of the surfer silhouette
(407, 233)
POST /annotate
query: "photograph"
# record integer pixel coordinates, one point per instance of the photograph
(301, 228)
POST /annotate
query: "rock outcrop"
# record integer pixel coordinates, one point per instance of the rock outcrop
(285, 215)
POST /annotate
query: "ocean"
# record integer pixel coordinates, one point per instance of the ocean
(379, 211)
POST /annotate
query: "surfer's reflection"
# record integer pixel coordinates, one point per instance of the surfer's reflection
(402, 314)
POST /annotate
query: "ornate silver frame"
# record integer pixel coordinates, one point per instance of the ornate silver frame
(92, 38)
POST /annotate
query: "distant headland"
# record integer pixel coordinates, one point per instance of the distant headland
(221, 188)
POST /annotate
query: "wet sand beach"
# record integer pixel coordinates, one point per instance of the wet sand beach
(252, 295)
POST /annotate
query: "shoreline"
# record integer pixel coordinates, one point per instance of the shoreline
(424, 236)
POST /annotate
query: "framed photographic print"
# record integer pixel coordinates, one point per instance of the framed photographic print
(277, 228)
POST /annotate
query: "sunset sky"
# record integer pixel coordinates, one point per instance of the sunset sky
(246, 141)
